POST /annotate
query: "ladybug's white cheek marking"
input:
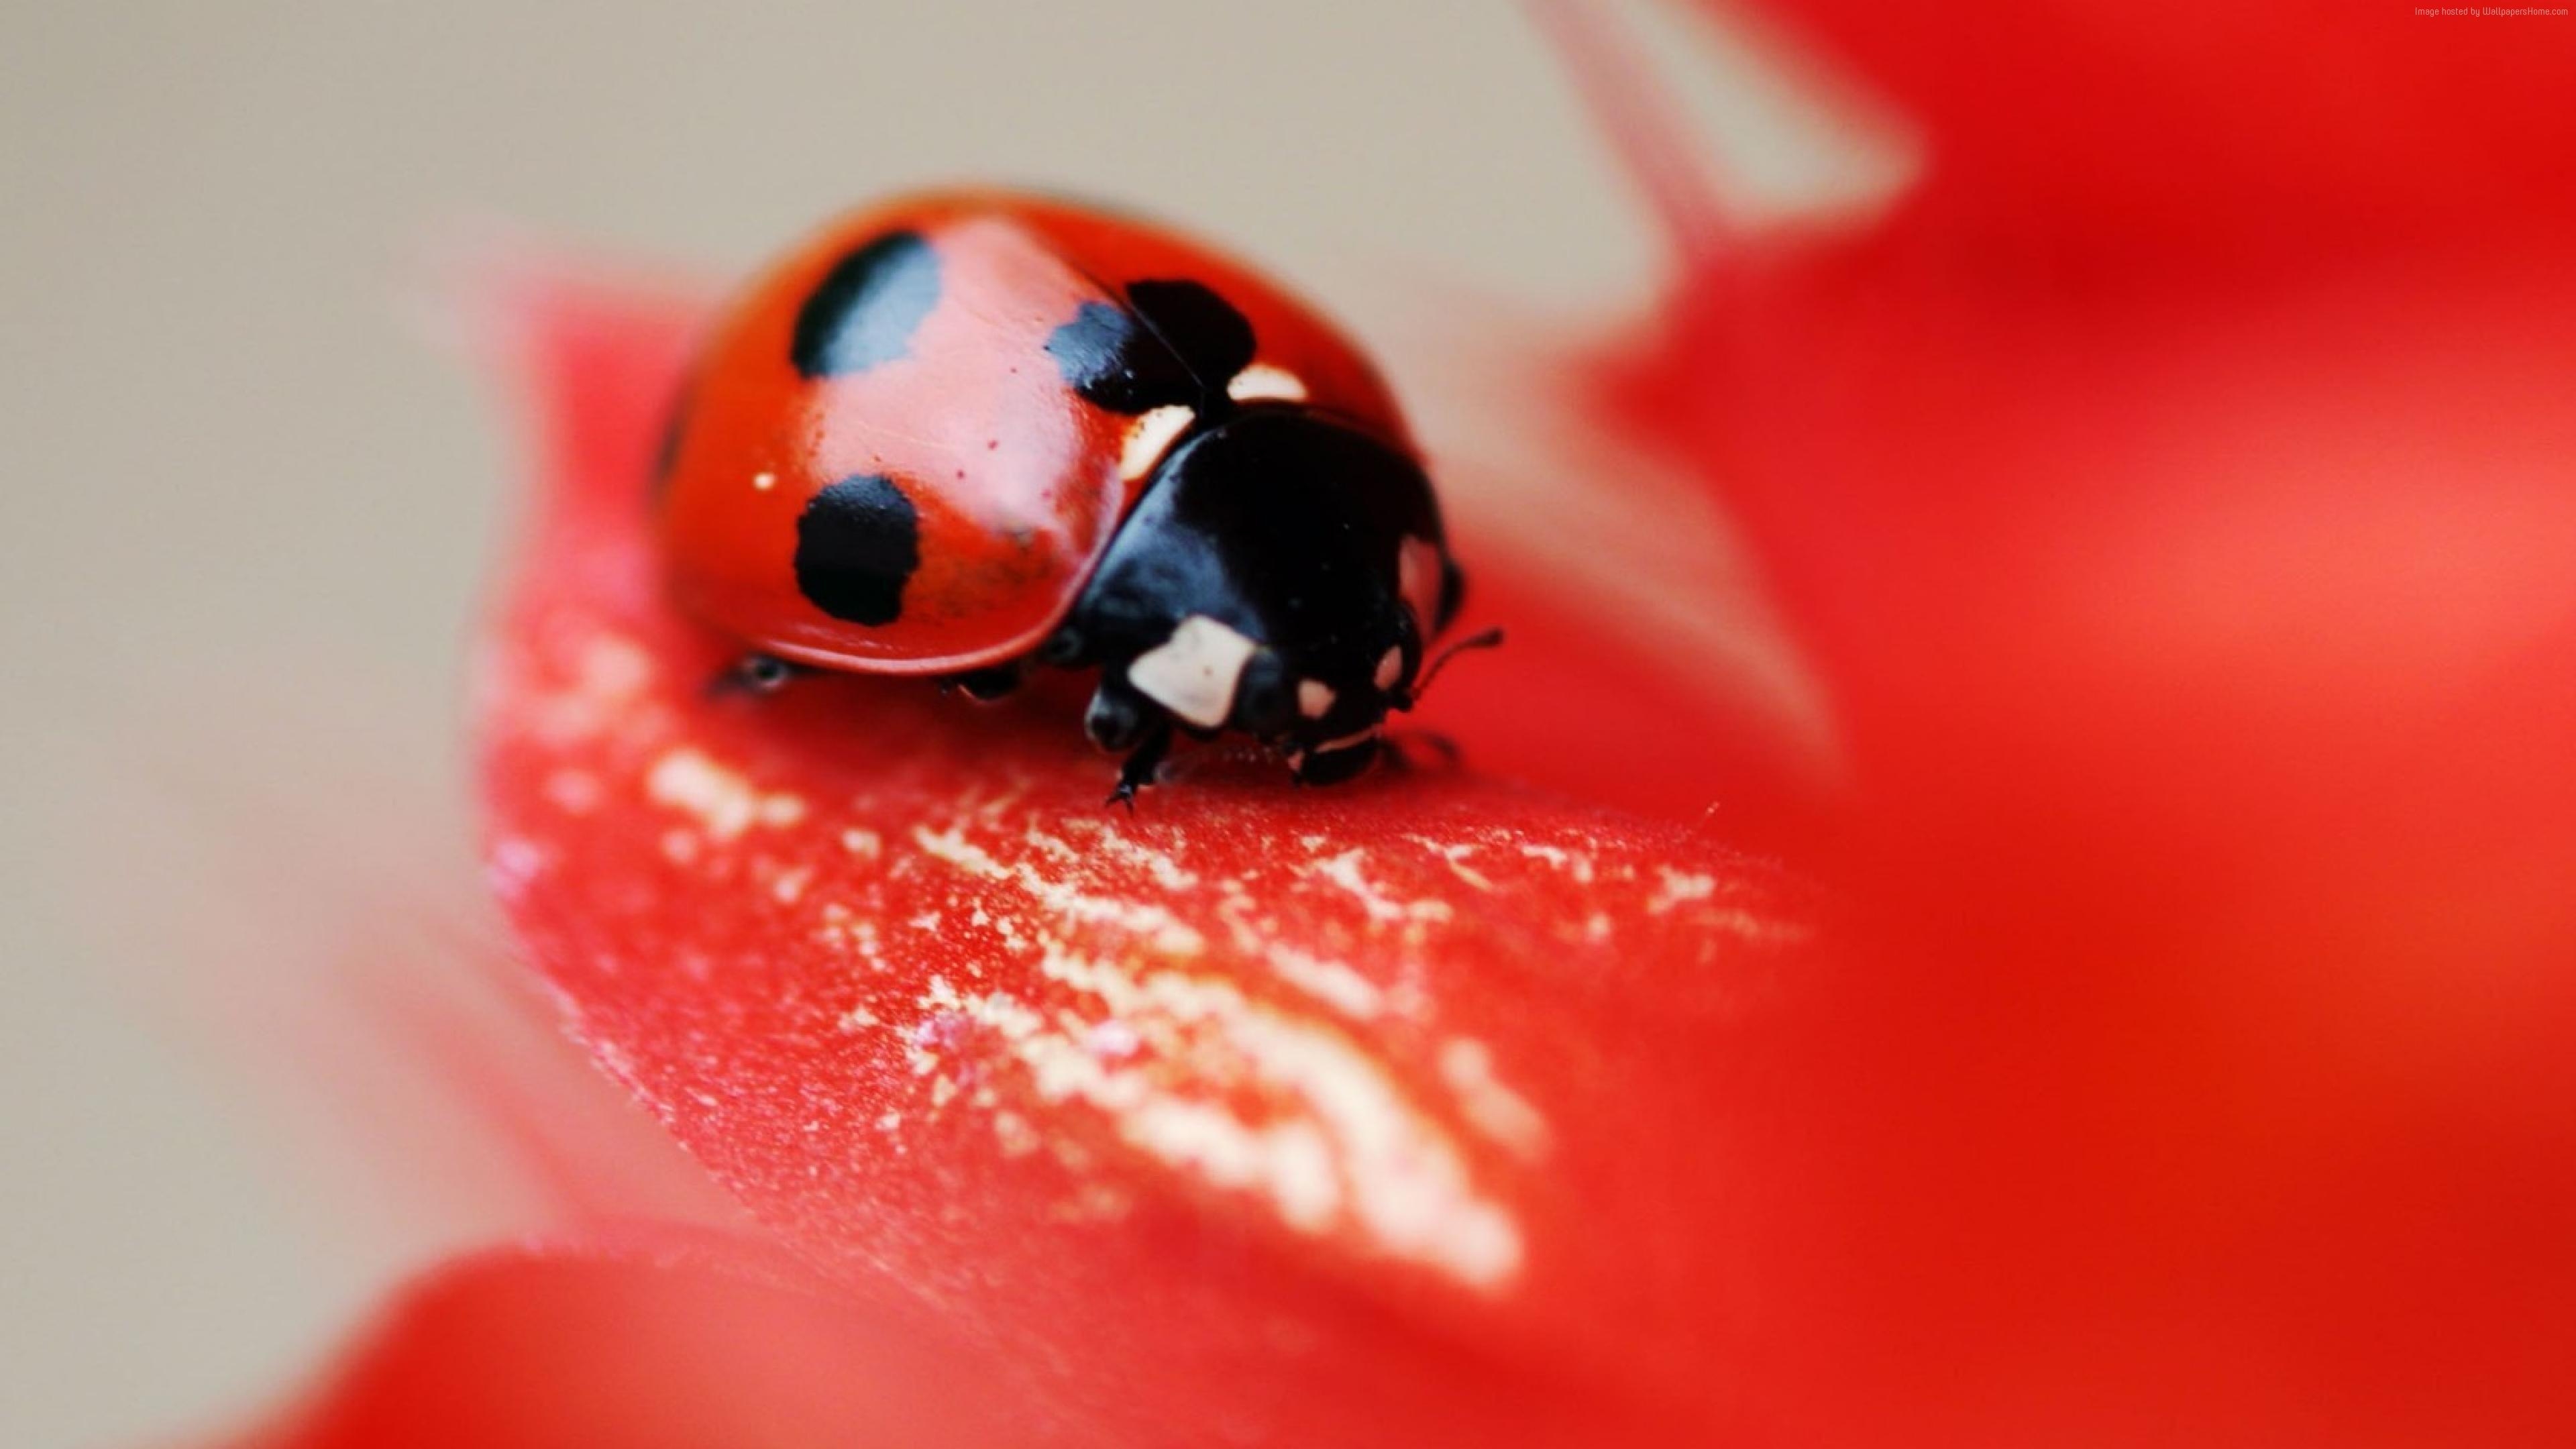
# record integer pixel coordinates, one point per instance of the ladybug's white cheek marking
(1314, 698)
(1417, 578)
(1149, 437)
(1194, 673)
(1390, 668)
(1261, 382)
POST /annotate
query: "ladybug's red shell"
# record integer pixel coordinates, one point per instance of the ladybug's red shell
(880, 465)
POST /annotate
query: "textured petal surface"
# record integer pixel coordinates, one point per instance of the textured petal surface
(1321, 1116)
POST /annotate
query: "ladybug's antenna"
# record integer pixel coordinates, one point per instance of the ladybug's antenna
(1487, 639)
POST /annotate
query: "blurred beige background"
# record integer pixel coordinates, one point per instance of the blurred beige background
(247, 504)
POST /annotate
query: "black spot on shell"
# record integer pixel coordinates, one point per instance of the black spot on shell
(857, 544)
(1109, 357)
(865, 309)
(1176, 342)
(1213, 340)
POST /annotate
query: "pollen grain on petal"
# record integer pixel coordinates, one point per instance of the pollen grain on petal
(1491, 1106)
(1331, 982)
(1154, 925)
(1455, 856)
(1344, 870)
(721, 799)
(1246, 1098)
(1680, 887)
(1574, 864)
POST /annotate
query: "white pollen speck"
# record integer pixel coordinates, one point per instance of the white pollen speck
(1330, 982)
(615, 668)
(1166, 871)
(1194, 673)
(515, 862)
(1577, 866)
(608, 673)
(1149, 437)
(724, 802)
(1456, 857)
(1266, 382)
(764, 481)
(1112, 1039)
(1246, 1098)
(1492, 1108)
(1314, 698)
(1390, 668)
(953, 847)
(1680, 887)
(1016, 1136)
(1052, 846)
(574, 792)
(865, 844)
(1153, 925)
(1344, 870)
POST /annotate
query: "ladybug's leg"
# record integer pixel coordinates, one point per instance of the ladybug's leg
(1119, 717)
(755, 674)
(1142, 762)
(1399, 751)
(1332, 767)
(989, 683)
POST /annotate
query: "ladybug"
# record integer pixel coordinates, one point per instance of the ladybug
(961, 434)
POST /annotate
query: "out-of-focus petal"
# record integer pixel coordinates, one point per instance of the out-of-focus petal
(2175, 501)
(644, 1344)
(1338, 1116)
(2084, 132)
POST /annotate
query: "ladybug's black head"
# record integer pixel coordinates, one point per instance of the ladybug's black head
(1323, 706)
(1260, 585)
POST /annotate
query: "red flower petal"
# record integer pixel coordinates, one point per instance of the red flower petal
(2176, 499)
(2077, 131)
(668, 1344)
(1326, 1116)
